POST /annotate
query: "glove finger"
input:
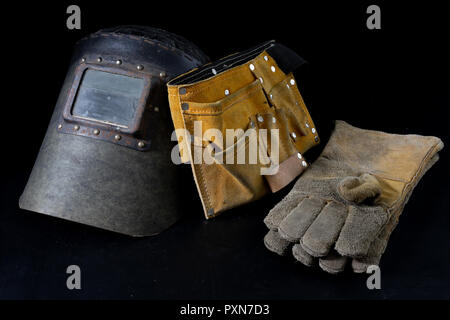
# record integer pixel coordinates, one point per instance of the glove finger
(301, 255)
(361, 227)
(294, 226)
(282, 209)
(360, 265)
(275, 243)
(376, 250)
(321, 236)
(333, 263)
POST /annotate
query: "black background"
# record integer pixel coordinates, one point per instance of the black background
(395, 79)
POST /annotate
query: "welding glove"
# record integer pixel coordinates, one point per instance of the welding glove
(348, 202)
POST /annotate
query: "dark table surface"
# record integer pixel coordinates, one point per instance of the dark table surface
(394, 79)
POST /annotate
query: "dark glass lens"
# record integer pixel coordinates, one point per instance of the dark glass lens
(108, 97)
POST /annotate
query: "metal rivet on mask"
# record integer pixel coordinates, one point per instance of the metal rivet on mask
(287, 86)
(141, 144)
(293, 135)
(274, 120)
(299, 155)
(139, 67)
(261, 80)
(272, 68)
(292, 82)
(313, 130)
(304, 163)
(227, 92)
(271, 96)
(76, 128)
(316, 139)
(252, 67)
(306, 124)
(59, 126)
(252, 124)
(117, 137)
(96, 132)
(182, 91)
(83, 59)
(184, 106)
(260, 119)
(265, 58)
(118, 62)
(156, 109)
(214, 71)
(99, 59)
(162, 74)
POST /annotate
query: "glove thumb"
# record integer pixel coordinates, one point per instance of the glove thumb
(359, 189)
